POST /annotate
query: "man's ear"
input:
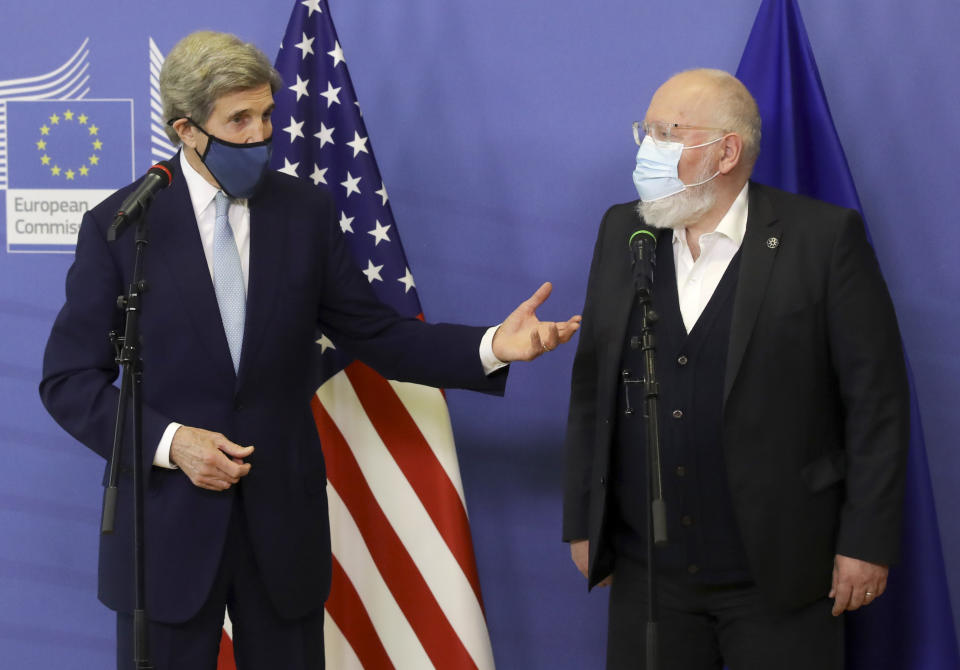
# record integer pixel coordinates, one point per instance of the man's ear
(732, 145)
(189, 135)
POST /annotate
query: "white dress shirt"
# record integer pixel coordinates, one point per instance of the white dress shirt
(698, 279)
(202, 194)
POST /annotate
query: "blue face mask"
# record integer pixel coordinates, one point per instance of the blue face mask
(656, 174)
(238, 168)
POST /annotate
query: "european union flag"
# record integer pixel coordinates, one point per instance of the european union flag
(66, 144)
(911, 626)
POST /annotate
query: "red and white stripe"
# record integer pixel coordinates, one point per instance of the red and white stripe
(405, 590)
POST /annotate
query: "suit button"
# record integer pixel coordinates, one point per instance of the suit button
(603, 480)
(693, 569)
(681, 471)
(682, 360)
(237, 405)
(677, 414)
(686, 520)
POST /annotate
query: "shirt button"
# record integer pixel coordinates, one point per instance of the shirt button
(681, 471)
(693, 569)
(686, 520)
(682, 360)
(677, 414)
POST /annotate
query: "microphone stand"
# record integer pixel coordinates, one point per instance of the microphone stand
(643, 255)
(657, 510)
(128, 356)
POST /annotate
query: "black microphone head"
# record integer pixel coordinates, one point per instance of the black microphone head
(157, 178)
(164, 170)
(641, 235)
(643, 257)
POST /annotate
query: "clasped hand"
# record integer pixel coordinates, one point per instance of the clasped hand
(209, 459)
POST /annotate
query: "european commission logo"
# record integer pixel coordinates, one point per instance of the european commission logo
(61, 153)
(64, 157)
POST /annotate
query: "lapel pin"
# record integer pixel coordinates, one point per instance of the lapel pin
(772, 242)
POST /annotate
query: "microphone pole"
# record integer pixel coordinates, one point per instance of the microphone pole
(127, 347)
(643, 257)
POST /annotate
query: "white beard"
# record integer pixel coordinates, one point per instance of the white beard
(680, 210)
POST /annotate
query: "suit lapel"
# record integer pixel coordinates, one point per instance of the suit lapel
(175, 243)
(267, 245)
(757, 254)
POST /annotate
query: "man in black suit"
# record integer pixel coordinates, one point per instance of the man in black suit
(783, 404)
(244, 267)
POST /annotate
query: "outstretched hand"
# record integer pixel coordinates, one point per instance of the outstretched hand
(523, 337)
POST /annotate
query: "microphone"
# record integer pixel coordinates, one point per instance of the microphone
(158, 177)
(643, 256)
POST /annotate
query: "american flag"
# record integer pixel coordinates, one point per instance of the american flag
(405, 590)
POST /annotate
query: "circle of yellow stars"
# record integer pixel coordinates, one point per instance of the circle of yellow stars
(57, 120)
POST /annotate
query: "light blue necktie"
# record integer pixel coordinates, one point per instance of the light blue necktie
(228, 279)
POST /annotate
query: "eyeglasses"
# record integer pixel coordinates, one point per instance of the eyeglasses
(661, 131)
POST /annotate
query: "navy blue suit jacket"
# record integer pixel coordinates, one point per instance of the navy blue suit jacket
(301, 280)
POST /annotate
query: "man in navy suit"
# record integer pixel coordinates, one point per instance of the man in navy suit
(244, 267)
(783, 404)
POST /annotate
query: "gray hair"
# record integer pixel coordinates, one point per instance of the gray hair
(205, 66)
(736, 110)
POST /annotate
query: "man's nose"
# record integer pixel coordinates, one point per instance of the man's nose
(261, 131)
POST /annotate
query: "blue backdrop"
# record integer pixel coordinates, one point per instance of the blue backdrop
(502, 130)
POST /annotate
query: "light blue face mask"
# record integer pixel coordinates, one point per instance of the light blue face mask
(656, 173)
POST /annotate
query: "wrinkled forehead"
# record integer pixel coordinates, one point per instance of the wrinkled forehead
(687, 100)
(254, 100)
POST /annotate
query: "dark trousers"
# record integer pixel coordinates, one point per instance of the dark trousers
(262, 639)
(704, 627)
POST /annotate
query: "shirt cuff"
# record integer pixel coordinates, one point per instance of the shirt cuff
(161, 458)
(490, 362)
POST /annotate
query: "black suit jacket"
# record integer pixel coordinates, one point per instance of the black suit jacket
(816, 411)
(301, 281)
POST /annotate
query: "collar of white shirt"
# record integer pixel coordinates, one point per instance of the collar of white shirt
(201, 191)
(733, 225)
(202, 194)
